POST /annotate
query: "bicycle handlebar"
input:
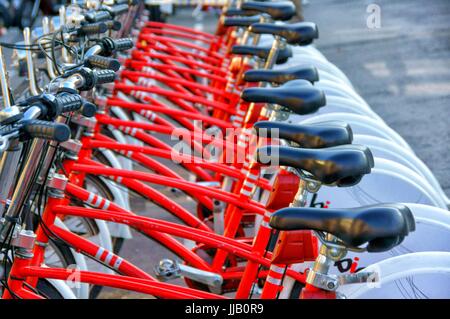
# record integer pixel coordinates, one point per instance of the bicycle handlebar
(123, 44)
(102, 62)
(113, 25)
(88, 109)
(117, 9)
(108, 46)
(93, 28)
(67, 102)
(97, 16)
(105, 76)
(58, 132)
(51, 106)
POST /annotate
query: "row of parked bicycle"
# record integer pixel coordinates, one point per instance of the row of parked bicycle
(298, 189)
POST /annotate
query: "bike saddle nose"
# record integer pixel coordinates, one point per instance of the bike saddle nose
(280, 10)
(240, 21)
(339, 165)
(297, 96)
(381, 226)
(262, 52)
(317, 135)
(281, 76)
(301, 33)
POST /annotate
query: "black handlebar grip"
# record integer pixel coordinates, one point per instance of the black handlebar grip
(68, 103)
(93, 28)
(88, 109)
(97, 16)
(123, 44)
(113, 25)
(58, 132)
(105, 76)
(121, 2)
(103, 62)
(118, 9)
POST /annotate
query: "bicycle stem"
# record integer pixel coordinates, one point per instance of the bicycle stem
(62, 21)
(34, 89)
(8, 164)
(46, 30)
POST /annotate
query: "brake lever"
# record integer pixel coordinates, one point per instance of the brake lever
(4, 140)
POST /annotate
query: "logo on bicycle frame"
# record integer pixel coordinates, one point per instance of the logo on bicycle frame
(313, 203)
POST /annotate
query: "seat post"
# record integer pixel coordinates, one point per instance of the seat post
(245, 35)
(257, 37)
(306, 186)
(273, 54)
(302, 194)
(270, 62)
(318, 276)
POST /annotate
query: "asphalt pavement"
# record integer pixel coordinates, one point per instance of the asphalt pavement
(402, 68)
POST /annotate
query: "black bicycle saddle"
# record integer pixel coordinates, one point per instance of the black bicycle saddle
(342, 166)
(301, 33)
(317, 135)
(297, 96)
(262, 52)
(281, 76)
(279, 10)
(381, 226)
(240, 21)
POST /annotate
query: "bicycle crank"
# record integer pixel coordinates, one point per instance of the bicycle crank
(169, 269)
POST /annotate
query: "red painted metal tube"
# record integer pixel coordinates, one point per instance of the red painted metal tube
(168, 111)
(233, 246)
(181, 28)
(163, 67)
(171, 80)
(171, 94)
(165, 240)
(169, 33)
(194, 64)
(171, 182)
(154, 195)
(145, 286)
(216, 167)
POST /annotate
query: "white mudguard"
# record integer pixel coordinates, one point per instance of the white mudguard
(359, 124)
(410, 276)
(388, 182)
(388, 150)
